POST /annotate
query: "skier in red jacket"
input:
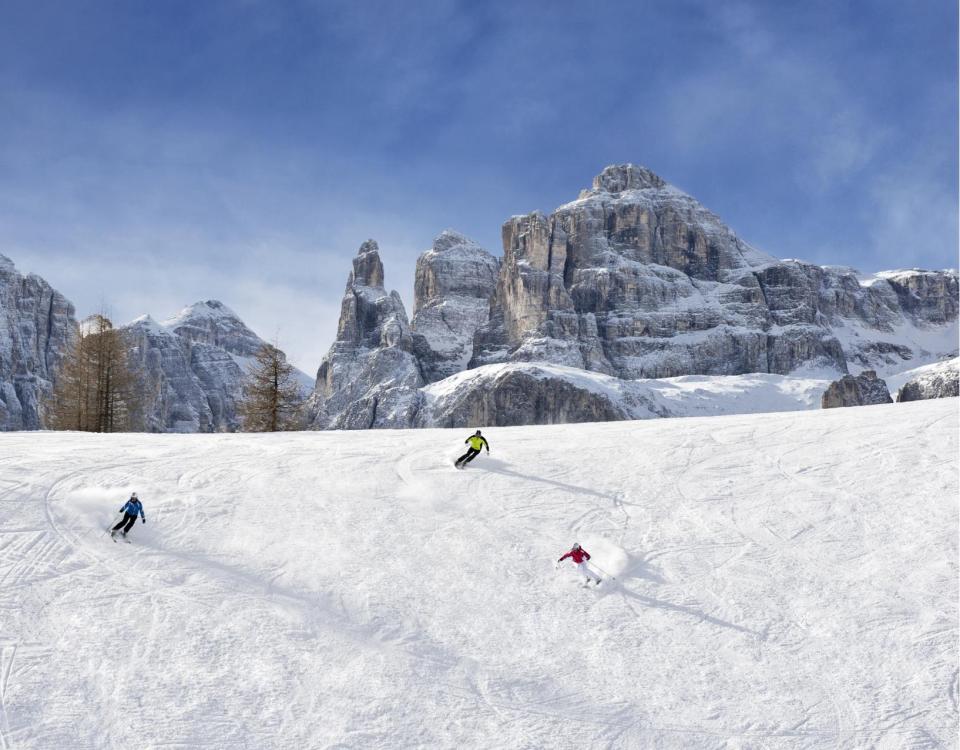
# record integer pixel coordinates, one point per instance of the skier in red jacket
(580, 556)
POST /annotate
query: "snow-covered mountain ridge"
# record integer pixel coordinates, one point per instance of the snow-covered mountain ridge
(634, 280)
(193, 367)
(782, 580)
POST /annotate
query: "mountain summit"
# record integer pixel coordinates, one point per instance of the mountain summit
(634, 279)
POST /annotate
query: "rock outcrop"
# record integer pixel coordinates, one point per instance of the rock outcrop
(525, 393)
(193, 367)
(455, 282)
(212, 323)
(370, 376)
(941, 380)
(635, 279)
(174, 400)
(522, 396)
(37, 325)
(864, 389)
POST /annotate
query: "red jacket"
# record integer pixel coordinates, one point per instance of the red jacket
(578, 555)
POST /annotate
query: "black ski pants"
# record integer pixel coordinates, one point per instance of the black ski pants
(126, 522)
(468, 456)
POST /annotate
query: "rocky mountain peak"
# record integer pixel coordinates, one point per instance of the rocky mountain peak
(450, 239)
(619, 177)
(212, 322)
(454, 265)
(369, 376)
(635, 279)
(6, 264)
(367, 266)
(455, 281)
(205, 309)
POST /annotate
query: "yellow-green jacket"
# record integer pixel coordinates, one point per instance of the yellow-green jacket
(477, 442)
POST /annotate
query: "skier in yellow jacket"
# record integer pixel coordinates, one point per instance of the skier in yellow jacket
(476, 441)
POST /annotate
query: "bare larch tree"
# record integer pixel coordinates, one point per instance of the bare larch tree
(97, 388)
(272, 397)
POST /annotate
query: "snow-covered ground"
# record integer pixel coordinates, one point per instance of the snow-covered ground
(782, 581)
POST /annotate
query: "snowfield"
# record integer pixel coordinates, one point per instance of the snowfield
(782, 581)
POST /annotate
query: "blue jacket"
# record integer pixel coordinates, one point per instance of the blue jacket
(133, 507)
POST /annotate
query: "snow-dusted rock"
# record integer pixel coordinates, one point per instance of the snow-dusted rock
(927, 295)
(939, 380)
(635, 279)
(370, 376)
(455, 281)
(193, 367)
(517, 394)
(213, 323)
(856, 390)
(528, 393)
(36, 326)
(173, 398)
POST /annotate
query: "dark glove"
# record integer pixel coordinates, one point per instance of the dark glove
(144, 520)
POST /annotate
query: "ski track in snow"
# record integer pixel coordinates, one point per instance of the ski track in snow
(780, 581)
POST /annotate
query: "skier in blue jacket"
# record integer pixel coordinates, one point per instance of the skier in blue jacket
(131, 509)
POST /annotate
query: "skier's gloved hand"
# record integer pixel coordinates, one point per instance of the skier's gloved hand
(144, 520)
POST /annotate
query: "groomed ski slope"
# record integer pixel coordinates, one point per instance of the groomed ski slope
(783, 581)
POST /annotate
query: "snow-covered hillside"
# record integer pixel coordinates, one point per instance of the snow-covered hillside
(782, 581)
(478, 396)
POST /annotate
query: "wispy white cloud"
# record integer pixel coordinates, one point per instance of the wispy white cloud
(912, 218)
(250, 166)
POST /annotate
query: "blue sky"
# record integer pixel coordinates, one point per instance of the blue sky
(153, 154)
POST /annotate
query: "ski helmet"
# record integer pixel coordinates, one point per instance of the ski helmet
(477, 432)
(576, 545)
(133, 495)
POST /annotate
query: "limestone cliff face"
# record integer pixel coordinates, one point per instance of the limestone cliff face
(635, 279)
(454, 285)
(37, 324)
(370, 376)
(864, 389)
(930, 296)
(193, 367)
(941, 380)
(174, 400)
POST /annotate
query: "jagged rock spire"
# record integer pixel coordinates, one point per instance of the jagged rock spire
(369, 376)
(367, 266)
